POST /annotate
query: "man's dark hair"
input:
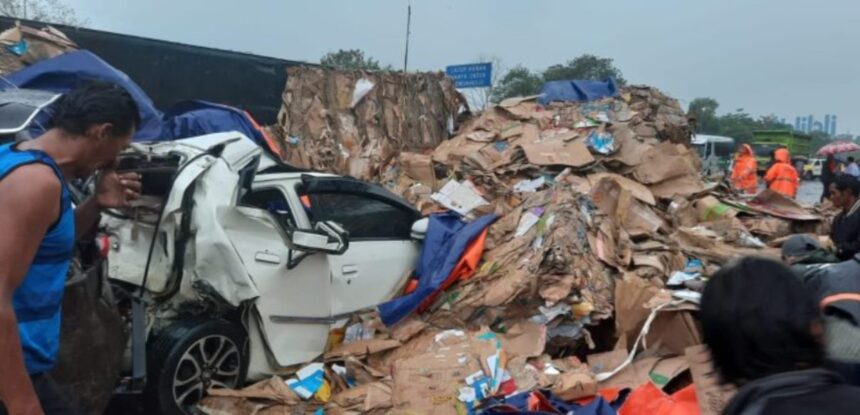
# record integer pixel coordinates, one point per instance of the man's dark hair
(96, 102)
(850, 159)
(847, 182)
(757, 319)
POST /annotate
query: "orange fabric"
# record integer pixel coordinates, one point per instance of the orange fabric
(744, 176)
(273, 145)
(648, 399)
(464, 269)
(782, 177)
(839, 297)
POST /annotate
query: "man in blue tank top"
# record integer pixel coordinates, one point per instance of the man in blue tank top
(38, 225)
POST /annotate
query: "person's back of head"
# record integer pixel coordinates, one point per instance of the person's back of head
(759, 320)
(95, 103)
(96, 120)
(850, 160)
(782, 155)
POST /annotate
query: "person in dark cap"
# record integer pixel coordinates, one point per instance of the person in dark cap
(804, 254)
(765, 334)
(836, 289)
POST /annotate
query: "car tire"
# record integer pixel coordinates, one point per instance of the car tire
(187, 358)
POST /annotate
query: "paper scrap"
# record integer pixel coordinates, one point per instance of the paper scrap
(529, 186)
(680, 277)
(528, 221)
(459, 197)
(362, 87)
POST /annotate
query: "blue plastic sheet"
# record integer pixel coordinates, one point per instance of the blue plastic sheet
(64, 72)
(577, 91)
(193, 118)
(519, 404)
(186, 119)
(447, 238)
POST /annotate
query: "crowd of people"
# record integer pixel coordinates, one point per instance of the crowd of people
(788, 334)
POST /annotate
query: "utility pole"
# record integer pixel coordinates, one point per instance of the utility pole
(408, 24)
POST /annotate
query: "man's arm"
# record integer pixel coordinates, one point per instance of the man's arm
(29, 204)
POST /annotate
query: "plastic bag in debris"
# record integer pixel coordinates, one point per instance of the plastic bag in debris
(362, 88)
(602, 143)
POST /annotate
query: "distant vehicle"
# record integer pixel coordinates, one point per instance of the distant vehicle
(716, 152)
(764, 143)
(813, 168)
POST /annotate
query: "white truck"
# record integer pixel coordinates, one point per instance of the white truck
(233, 266)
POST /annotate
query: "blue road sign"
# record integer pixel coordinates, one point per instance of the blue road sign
(474, 75)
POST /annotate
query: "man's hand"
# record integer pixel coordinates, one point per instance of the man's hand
(115, 190)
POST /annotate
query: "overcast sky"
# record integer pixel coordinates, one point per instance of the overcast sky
(786, 57)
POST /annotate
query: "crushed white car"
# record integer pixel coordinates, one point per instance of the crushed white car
(233, 266)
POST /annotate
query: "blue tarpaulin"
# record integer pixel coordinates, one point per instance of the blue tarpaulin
(187, 119)
(64, 72)
(519, 404)
(447, 238)
(193, 118)
(577, 91)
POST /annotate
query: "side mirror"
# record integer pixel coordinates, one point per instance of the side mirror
(419, 229)
(325, 237)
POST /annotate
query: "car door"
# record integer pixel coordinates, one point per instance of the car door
(381, 253)
(294, 303)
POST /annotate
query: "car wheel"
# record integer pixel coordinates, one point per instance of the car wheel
(188, 358)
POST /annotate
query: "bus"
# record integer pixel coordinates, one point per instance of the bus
(716, 152)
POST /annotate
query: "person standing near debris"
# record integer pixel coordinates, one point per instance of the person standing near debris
(744, 178)
(829, 171)
(845, 230)
(851, 168)
(91, 125)
(782, 177)
(765, 333)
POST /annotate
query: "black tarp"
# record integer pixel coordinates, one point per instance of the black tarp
(171, 72)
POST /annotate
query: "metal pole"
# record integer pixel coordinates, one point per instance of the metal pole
(408, 24)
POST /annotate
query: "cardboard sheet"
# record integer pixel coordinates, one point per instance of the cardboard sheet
(638, 190)
(775, 204)
(712, 396)
(558, 153)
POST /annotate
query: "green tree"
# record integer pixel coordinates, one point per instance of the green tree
(519, 81)
(350, 59)
(588, 67)
(704, 110)
(49, 11)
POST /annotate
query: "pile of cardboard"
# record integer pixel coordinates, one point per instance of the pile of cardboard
(22, 45)
(356, 122)
(589, 279)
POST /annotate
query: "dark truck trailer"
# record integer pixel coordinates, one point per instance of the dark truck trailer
(171, 72)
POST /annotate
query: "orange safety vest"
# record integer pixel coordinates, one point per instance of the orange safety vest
(744, 176)
(782, 178)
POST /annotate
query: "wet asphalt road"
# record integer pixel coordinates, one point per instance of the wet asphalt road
(809, 192)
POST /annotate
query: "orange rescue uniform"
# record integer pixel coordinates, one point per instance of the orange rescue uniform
(744, 176)
(782, 177)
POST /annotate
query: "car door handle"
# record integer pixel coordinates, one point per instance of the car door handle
(267, 257)
(349, 269)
